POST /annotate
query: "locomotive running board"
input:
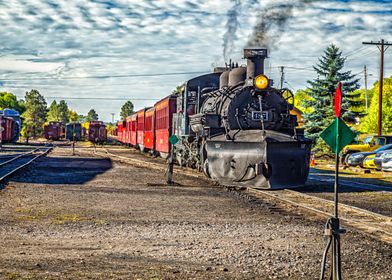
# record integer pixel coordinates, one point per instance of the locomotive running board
(264, 165)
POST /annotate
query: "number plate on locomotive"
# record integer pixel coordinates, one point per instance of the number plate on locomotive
(256, 116)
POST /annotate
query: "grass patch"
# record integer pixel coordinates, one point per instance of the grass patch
(68, 218)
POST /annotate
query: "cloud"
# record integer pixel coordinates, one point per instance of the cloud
(58, 39)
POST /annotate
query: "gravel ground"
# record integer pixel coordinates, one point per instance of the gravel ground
(86, 217)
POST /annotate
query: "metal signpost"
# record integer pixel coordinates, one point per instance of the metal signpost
(337, 135)
(170, 162)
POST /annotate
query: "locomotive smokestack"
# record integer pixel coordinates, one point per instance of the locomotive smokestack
(255, 63)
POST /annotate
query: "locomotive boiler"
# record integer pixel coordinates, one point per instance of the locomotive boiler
(236, 127)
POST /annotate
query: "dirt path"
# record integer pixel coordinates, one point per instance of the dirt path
(90, 218)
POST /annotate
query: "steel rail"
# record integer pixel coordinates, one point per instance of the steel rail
(146, 164)
(4, 177)
(18, 157)
(373, 224)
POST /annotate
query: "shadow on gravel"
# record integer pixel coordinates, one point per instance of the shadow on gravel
(328, 177)
(65, 170)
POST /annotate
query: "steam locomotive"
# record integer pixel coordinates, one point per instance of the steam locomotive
(231, 124)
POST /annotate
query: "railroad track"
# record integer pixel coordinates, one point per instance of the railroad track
(11, 164)
(376, 225)
(149, 164)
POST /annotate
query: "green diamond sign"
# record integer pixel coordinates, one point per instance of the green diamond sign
(337, 132)
(173, 139)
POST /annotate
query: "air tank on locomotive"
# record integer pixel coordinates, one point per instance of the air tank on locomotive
(245, 131)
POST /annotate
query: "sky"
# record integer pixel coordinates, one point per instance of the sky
(98, 54)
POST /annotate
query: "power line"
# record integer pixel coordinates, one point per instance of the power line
(106, 76)
(97, 98)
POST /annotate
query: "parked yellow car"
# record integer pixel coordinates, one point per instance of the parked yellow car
(370, 143)
(368, 162)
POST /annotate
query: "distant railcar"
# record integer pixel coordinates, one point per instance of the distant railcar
(7, 129)
(97, 132)
(73, 131)
(53, 130)
(17, 123)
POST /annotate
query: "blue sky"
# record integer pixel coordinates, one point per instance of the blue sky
(54, 45)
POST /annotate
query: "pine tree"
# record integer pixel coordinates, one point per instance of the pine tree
(53, 112)
(35, 114)
(64, 114)
(322, 90)
(126, 109)
(91, 116)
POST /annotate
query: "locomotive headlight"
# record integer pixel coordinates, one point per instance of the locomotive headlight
(261, 82)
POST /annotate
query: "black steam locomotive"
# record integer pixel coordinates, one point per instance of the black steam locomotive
(238, 129)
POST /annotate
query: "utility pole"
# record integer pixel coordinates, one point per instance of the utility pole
(366, 90)
(381, 46)
(112, 117)
(281, 76)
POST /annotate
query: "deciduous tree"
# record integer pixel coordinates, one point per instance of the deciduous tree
(64, 113)
(9, 100)
(54, 112)
(369, 124)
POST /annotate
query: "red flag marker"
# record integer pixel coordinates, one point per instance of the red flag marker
(338, 100)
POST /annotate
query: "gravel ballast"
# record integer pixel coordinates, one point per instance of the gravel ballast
(86, 217)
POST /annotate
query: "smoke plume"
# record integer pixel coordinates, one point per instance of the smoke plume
(272, 21)
(232, 23)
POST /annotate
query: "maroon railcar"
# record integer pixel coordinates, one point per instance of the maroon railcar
(97, 132)
(7, 129)
(54, 130)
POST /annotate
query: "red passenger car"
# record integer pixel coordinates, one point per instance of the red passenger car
(120, 131)
(149, 127)
(133, 130)
(127, 131)
(140, 128)
(164, 111)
